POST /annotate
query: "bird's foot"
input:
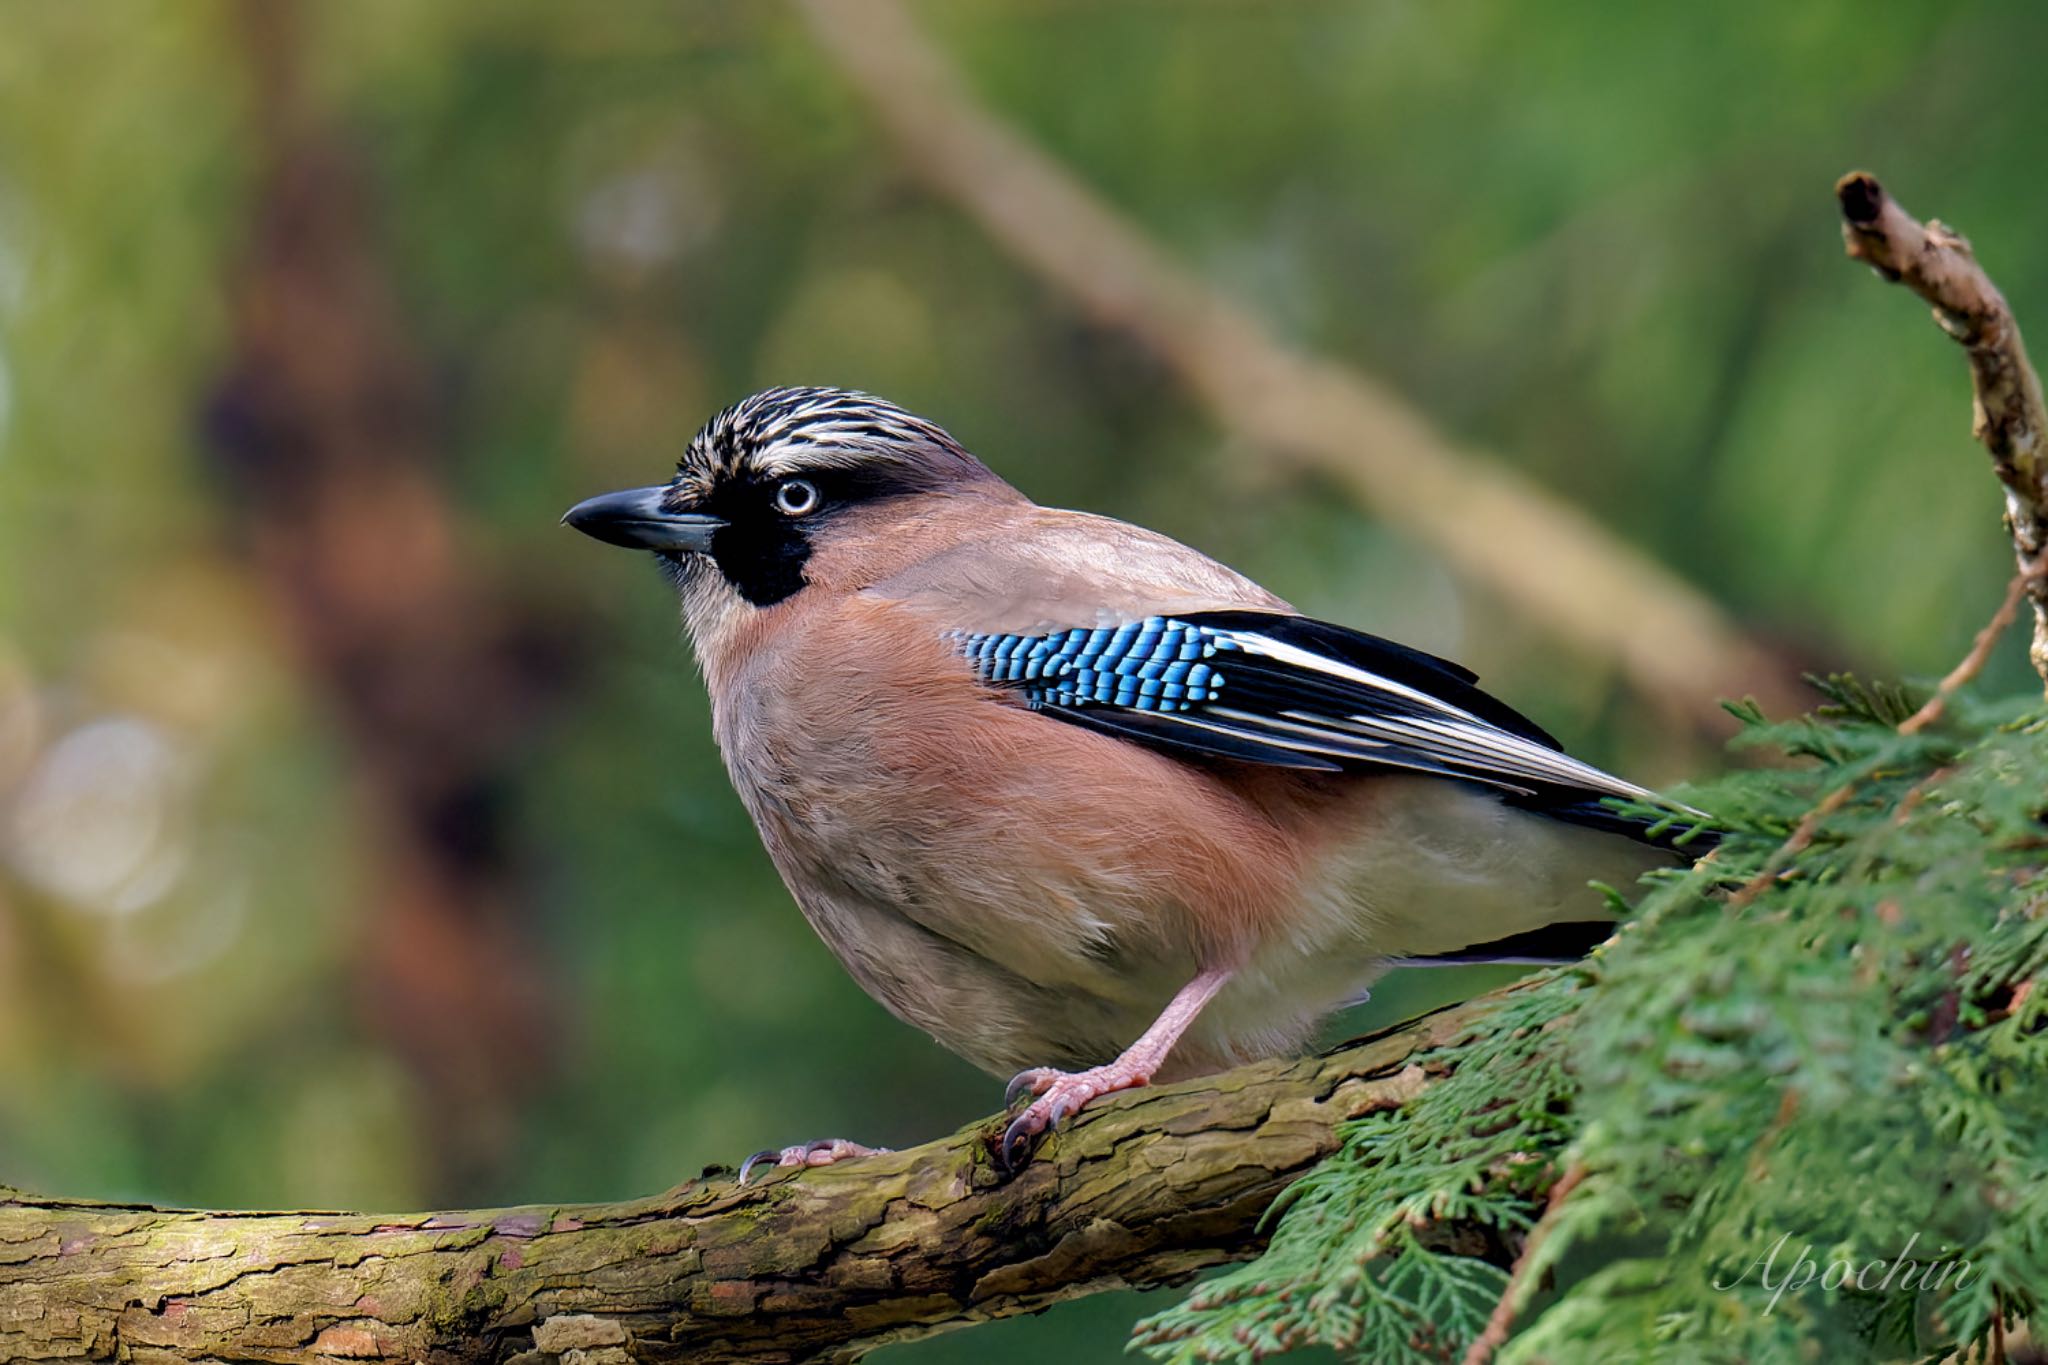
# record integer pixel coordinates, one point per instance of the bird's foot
(823, 1152)
(1061, 1094)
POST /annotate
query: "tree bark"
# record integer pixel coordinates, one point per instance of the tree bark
(2010, 418)
(801, 1265)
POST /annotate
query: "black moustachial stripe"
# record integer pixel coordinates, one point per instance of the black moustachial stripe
(762, 551)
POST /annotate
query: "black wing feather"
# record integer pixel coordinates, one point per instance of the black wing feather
(1451, 682)
(1159, 732)
(1288, 691)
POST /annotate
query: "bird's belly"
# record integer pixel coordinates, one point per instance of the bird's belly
(1045, 917)
(968, 1002)
(1010, 941)
(1029, 892)
(1012, 954)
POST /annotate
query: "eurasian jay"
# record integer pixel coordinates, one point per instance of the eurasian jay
(1079, 801)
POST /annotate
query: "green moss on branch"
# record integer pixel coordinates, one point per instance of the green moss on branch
(813, 1265)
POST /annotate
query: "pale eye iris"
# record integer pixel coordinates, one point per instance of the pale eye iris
(796, 497)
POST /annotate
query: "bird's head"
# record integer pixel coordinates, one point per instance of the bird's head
(776, 480)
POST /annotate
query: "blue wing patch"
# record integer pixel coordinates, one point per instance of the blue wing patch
(1155, 664)
(1281, 690)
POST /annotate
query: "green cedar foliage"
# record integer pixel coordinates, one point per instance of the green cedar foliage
(1835, 1064)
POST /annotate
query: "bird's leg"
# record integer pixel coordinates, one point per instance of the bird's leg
(823, 1152)
(1061, 1093)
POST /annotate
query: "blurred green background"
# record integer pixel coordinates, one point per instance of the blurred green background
(362, 841)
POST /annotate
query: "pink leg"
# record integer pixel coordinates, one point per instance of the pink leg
(1061, 1093)
(821, 1153)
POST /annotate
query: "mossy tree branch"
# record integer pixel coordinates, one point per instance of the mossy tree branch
(822, 1264)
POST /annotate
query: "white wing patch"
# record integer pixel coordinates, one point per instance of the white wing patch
(1214, 684)
(1442, 732)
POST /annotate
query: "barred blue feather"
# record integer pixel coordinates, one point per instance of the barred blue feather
(1155, 664)
(1288, 691)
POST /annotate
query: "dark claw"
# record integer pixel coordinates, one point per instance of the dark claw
(1016, 1145)
(1020, 1084)
(1059, 1112)
(766, 1154)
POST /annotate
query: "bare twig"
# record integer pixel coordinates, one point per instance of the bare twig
(1548, 560)
(1973, 663)
(1958, 677)
(1936, 263)
(1930, 711)
(1795, 844)
(1503, 1318)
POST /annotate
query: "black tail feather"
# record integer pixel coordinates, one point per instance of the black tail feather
(1673, 832)
(1567, 941)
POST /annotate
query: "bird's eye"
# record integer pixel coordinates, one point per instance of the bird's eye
(795, 497)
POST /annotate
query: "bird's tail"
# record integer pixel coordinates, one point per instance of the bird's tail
(1547, 945)
(1675, 829)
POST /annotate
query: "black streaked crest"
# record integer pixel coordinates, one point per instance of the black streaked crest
(777, 433)
(780, 467)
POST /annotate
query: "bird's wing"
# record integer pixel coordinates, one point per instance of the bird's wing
(1109, 626)
(1274, 688)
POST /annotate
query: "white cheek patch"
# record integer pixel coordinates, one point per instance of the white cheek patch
(712, 608)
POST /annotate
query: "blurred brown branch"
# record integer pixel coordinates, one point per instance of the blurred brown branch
(1935, 262)
(806, 1265)
(325, 428)
(1543, 557)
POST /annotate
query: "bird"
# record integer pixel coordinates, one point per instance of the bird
(1083, 804)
